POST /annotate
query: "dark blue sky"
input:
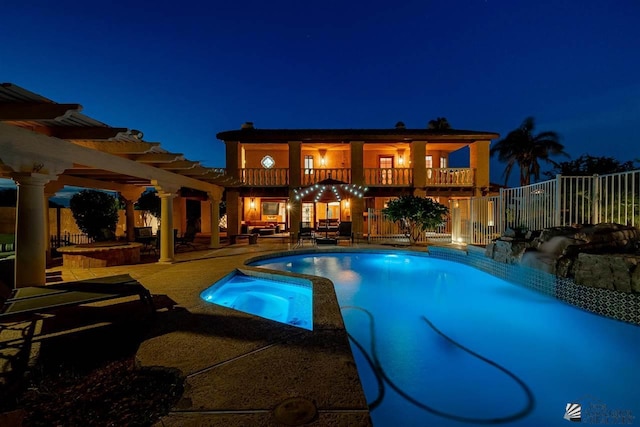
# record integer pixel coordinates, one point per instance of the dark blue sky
(181, 71)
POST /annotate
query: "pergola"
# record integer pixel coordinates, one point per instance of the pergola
(45, 145)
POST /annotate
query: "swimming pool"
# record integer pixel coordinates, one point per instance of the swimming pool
(437, 343)
(284, 302)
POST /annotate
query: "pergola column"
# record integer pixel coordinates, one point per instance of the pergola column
(31, 240)
(130, 197)
(166, 193)
(214, 203)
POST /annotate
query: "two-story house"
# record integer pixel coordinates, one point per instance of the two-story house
(270, 166)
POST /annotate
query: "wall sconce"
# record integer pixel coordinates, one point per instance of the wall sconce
(288, 206)
(401, 157)
(252, 203)
(346, 204)
(323, 153)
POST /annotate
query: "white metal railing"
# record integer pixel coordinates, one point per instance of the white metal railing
(380, 229)
(618, 198)
(444, 177)
(265, 177)
(485, 220)
(576, 200)
(312, 176)
(531, 207)
(388, 177)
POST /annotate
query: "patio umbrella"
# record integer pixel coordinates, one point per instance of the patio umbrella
(329, 190)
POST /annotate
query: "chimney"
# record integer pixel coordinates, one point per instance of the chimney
(247, 125)
(400, 125)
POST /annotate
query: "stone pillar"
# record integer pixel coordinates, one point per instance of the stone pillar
(130, 197)
(233, 159)
(418, 153)
(357, 162)
(31, 241)
(357, 178)
(50, 189)
(295, 164)
(214, 204)
(234, 212)
(295, 214)
(479, 162)
(166, 195)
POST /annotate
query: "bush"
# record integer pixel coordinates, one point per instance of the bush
(95, 213)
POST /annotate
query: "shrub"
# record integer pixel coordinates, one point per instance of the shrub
(95, 213)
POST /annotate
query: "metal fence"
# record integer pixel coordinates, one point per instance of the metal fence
(564, 201)
(381, 229)
(67, 239)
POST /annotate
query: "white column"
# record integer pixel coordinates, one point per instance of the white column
(131, 196)
(215, 222)
(31, 241)
(166, 226)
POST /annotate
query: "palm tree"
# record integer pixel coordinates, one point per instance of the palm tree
(439, 123)
(523, 148)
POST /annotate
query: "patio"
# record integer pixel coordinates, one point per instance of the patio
(238, 367)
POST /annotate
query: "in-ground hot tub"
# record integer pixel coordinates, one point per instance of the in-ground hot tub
(102, 254)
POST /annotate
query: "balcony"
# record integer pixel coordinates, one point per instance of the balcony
(261, 177)
(312, 176)
(373, 177)
(388, 177)
(449, 177)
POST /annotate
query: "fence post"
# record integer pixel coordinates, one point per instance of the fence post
(595, 199)
(369, 219)
(558, 202)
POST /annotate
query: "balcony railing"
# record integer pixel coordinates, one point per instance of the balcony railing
(312, 176)
(449, 177)
(262, 177)
(374, 177)
(388, 177)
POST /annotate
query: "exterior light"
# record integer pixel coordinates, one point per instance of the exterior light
(252, 203)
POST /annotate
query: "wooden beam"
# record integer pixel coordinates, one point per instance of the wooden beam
(35, 111)
(179, 165)
(156, 157)
(90, 133)
(118, 147)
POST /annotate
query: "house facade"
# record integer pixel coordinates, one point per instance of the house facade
(270, 167)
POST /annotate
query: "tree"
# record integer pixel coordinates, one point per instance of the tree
(523, 148)
(415, 214)
(591, 165)
(95, 213)
(149, 203)
(439, 123)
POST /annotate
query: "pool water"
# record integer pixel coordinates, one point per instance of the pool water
(282, 302)
(439, 343)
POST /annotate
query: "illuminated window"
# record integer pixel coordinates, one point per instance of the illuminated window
(443, 162)
(267, 162)
(308, 165)
(428, 161)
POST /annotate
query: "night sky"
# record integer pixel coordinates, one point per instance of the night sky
(182, 71)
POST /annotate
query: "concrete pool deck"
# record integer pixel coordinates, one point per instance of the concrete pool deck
(239, 368)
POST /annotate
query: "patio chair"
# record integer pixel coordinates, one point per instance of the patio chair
(186, 239)
(306, 233)
(344, 232)
(45, 299)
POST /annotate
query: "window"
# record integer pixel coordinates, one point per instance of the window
(443, 162)
(308, 165)
(386, 164)
(267, 162)
(428, 160)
